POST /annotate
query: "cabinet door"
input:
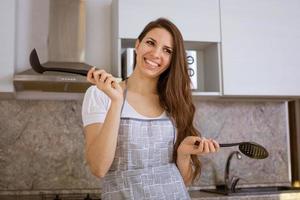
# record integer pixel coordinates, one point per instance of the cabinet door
(198, 20)
(260, 47)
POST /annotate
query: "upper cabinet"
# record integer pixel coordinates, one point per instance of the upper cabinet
(260, 47)
(198, 21)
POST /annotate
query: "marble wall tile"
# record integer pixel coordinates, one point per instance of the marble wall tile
(42, 143)
(265, 123)
(42, 146)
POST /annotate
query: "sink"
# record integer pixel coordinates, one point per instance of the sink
(252, 190)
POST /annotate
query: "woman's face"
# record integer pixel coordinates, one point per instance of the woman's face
(154, 52)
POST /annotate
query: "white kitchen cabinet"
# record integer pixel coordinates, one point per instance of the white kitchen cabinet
(260, 47)
(198, 20)
(7, 41)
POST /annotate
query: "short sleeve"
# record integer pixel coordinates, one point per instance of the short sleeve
(95, 106)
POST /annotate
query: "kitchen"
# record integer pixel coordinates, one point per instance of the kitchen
(42, 154)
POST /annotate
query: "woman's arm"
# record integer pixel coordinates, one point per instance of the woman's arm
(184, 165)
(101, 141)
(101, 138)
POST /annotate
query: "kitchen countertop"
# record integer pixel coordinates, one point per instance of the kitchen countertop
(199, 195)
(7, 95)
(195, 195)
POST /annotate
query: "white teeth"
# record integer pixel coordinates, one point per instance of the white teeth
(151, 63)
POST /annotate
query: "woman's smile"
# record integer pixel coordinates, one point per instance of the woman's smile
(150, 63)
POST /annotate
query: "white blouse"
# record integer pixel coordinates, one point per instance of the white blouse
(96, 104)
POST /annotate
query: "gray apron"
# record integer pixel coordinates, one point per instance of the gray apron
(142, 167)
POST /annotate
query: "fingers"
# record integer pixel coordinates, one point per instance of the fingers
(216, 145)
(103, 77)
(100, 78)
(89, 75)
(193, 145)
(110, 81)
(206, 146)
(97, 74)
(201, 145)
(212, 147)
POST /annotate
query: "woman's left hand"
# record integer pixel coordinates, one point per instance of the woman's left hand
(188, 147)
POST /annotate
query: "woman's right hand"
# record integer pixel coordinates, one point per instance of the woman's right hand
(107, 83)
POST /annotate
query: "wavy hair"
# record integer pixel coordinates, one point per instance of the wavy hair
(174, 89)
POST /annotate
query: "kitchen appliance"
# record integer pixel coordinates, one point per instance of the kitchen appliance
(66, 49)
(127, 62)
(191, 57)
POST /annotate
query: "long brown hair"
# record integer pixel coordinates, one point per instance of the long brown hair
(174, 89)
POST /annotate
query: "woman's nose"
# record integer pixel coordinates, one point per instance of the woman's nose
(156, 52)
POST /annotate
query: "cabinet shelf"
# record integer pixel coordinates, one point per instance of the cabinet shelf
(208, 63)
(206, 94)
(199, 23)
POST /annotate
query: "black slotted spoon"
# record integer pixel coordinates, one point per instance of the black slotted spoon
(250, 149)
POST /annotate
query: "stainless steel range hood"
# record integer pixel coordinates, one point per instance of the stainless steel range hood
(66, 49)
(29, 80)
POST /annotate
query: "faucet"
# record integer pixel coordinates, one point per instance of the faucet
(230, 184)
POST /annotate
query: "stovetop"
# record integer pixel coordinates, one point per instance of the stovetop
(72, 196)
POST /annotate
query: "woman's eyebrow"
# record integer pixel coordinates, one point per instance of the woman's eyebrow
(155, 42)
(152, 39)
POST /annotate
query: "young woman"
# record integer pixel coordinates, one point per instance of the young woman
(139, 133)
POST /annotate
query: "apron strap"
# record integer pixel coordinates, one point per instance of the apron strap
(124, 95)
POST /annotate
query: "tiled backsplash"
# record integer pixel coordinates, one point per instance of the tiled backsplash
(42, 143)
(265, 123)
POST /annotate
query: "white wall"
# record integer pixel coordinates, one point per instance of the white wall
(32, 32)
(7, 42)
(98, 41)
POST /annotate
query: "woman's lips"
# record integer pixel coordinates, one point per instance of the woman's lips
(151, 64)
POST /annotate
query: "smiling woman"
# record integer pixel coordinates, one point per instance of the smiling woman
(139, 133)
(154, 52)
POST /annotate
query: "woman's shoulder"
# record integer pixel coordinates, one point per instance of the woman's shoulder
(94, 93)
(94, 106)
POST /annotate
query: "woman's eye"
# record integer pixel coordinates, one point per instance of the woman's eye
(150, 42)
(168, 51)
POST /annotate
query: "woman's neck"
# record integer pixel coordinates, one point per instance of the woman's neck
(142, 85)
